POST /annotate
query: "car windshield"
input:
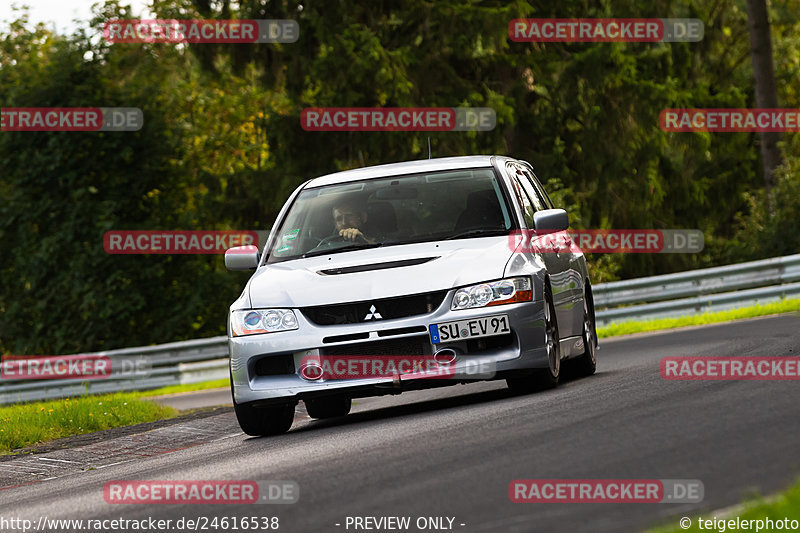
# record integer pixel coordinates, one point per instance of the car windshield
(391, 211)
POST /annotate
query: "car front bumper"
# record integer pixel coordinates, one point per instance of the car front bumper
(520, 350)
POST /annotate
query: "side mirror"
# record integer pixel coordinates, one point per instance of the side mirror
(241, 257)
(550, 220)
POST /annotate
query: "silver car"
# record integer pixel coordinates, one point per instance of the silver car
(413, 269)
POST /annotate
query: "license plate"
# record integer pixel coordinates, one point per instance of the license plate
(485, 326)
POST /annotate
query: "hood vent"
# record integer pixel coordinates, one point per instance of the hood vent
(376, 266)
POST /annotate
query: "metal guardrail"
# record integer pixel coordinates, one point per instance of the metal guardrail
(682, 293)
(698, 291)
(141, 368)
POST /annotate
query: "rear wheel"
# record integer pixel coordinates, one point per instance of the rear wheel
(545, 378)
(328, 406)
(586, 363)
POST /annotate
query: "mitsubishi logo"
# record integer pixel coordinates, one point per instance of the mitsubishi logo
(373, 314)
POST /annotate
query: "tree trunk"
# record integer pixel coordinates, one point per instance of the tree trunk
(764, 73)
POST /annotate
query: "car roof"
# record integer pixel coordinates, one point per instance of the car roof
(406, 167)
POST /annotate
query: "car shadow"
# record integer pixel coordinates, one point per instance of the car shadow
(427, 406)
(438, 404)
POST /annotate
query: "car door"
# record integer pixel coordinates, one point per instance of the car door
(571, 285)
(557, 262)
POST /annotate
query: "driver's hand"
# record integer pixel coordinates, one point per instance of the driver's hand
(351, 234)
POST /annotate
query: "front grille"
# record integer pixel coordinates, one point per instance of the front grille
(418, 345)
(402, 331)
(345, 338)
(376, 310)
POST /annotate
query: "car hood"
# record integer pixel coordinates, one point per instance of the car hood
(299, 282)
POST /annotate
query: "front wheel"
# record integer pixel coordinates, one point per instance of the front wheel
(546, 378)
(265, 421)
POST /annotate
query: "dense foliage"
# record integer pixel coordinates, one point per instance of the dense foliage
(222, 144)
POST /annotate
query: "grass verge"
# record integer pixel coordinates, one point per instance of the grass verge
(626, 328)
(784, 505)
(190, 387)
(26, 424)
(33, 423)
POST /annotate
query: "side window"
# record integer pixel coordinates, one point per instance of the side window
(535, 193)
(539, 189)
(524, 200)
(524, 177)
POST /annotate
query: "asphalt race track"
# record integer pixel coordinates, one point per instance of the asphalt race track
(452, 452)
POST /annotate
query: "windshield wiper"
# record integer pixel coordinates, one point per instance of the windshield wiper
(348, 248)
(478, 233)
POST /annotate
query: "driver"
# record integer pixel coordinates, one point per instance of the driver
(350, 218)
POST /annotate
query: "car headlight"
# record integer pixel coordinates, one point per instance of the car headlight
(254, 321)
(504, 291)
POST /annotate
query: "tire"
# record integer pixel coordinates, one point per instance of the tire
(546, 378)
(262, 421)
(328, 406)
(265, 421)
(586, 363)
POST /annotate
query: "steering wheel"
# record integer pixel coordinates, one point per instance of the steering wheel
(339, 238)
